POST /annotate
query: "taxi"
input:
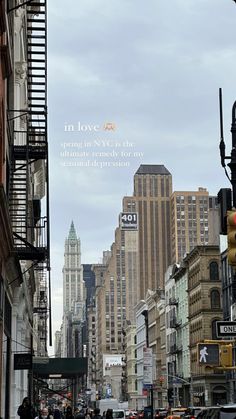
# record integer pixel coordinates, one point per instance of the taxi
(176, 413)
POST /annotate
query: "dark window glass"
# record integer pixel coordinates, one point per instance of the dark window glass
(214, 271)
(215, 299)
(213, 330)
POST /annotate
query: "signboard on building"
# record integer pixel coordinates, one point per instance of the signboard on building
(147, 368)
(129, 221)
(23, 361)
(226, 329)
(110, 361)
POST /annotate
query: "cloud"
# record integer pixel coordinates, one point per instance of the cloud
(154, 69)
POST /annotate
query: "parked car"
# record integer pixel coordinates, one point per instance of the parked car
(218, 412)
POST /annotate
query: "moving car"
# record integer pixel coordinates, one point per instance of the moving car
(192, 412)
(177, 413)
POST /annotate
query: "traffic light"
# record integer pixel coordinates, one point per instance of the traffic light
(226, 355)
(208, 354)
(231, 235)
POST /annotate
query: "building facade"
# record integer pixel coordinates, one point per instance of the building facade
(205, 309)
(152, 192)
(24, 222)
(195, 221)
(131, 366)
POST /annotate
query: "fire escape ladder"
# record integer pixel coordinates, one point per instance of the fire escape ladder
(38, 150)
(30, 230)
(29, 178)
(18, 203)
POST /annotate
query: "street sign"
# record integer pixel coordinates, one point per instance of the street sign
(208, 354)
(225, 329)
(147, 366)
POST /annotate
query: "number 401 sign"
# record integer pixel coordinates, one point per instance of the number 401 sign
(129, 221)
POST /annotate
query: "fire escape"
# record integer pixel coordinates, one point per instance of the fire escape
(30, 218)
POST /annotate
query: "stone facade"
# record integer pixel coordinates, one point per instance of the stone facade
(205, 308)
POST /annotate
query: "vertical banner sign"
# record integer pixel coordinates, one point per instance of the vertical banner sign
(147, 368)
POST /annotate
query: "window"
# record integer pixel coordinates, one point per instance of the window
(214, 271)
(213, 330)
(215, 299)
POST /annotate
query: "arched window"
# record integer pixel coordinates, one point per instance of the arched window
(215, 299)
(214, 271)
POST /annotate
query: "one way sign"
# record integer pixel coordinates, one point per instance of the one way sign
(225, 329)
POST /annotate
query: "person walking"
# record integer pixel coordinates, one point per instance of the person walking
(88, 414)
(109, 414)
(79, 414)
(69, 414)
(97, 413)
(26, 410)
(57, 414)
(44, 414)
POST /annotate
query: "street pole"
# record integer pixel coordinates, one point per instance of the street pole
(232, 164)
(191, 391)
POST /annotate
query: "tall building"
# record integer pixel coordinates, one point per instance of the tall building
(116, 294)
(73, 325)
(73, 284)
(194, 221)
(152, 193)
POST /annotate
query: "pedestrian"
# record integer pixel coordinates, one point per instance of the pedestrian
(69, 414)
(97, 413)
(88, 414)
(44, 414)
(57, 414)
(26, 410)
(50, 412)
(109, 414)
(80, 414)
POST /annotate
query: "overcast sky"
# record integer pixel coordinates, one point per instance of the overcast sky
(150, 69)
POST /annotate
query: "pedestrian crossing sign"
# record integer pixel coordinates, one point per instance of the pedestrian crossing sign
(208, 354)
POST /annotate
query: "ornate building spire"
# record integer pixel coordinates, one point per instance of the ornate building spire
(72, 232)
